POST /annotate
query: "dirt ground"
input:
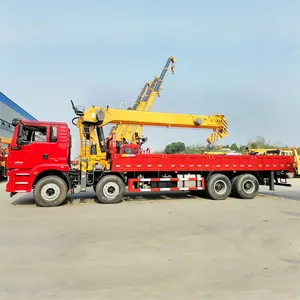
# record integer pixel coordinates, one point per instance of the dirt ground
(173, 246)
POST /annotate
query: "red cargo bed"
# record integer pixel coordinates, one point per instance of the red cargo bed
(196, 162)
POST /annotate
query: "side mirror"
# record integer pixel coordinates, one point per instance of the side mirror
(20, 132)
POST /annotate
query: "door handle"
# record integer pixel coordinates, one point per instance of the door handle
(45, 156)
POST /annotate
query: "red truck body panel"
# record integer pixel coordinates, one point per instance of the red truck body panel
(200, 162)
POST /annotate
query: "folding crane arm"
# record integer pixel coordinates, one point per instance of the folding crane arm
(100, 117)
(144, 102)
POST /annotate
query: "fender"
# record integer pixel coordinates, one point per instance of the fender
(21, 181)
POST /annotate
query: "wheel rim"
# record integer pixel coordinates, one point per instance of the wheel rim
(248, 186)
(50, 192)
(111, 190)
(220, 187)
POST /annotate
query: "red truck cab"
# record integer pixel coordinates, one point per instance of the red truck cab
(45, 151)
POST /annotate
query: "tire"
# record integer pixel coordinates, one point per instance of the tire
(246, 186)
(110, 189)
(218, 187)
(2, 172)
(50, 191)
(295, 173)
(233, 186)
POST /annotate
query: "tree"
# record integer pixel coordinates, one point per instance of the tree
(261, 143)
(242, 149)
(234, 147)
(195, 149)
(175, 147)
(258, 143)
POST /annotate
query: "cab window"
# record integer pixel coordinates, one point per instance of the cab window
(53, 134)
(33, 134)
(127, 150)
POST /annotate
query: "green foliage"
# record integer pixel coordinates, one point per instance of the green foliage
(257, 143)
(175, 147)
(234, 147)
(194, 149)
(261, 143)
(242, 149)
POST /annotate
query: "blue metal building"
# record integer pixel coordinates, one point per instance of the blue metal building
(8, 111)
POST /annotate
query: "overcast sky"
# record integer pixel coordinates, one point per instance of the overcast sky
(238, 58)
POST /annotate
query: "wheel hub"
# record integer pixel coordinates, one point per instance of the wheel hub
(220, 187)
(111, 190)
(50, 192)
(248, 186)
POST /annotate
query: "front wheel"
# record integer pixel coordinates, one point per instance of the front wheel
(50, 191)
(110, 189)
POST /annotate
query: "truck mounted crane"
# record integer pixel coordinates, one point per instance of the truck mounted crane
(44, 166)
(128, 133)
(91, 122)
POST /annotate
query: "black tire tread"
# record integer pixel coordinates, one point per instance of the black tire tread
(239, 182)
(210, 189)
(101, 197)
(49, 179)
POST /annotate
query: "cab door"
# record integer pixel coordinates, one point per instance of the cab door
(34, 149)
(59, 144)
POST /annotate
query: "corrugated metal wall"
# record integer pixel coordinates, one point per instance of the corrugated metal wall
(8, 111)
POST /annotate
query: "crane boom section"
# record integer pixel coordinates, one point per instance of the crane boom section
(144, 105)
(102, 116)
(132, 131)
(121, 129)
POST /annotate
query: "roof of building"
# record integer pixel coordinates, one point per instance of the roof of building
(11, 104)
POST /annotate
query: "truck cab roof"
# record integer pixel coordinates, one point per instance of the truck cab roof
(38, 123)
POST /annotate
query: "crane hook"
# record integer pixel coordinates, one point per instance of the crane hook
(173, 69)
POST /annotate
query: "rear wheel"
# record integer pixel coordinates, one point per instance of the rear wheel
(233, 186)
(2, 172)
(218, 187)
(246, 186)
(50, 191)
(110, 189)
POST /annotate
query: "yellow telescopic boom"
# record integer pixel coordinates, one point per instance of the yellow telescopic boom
(100, 117)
